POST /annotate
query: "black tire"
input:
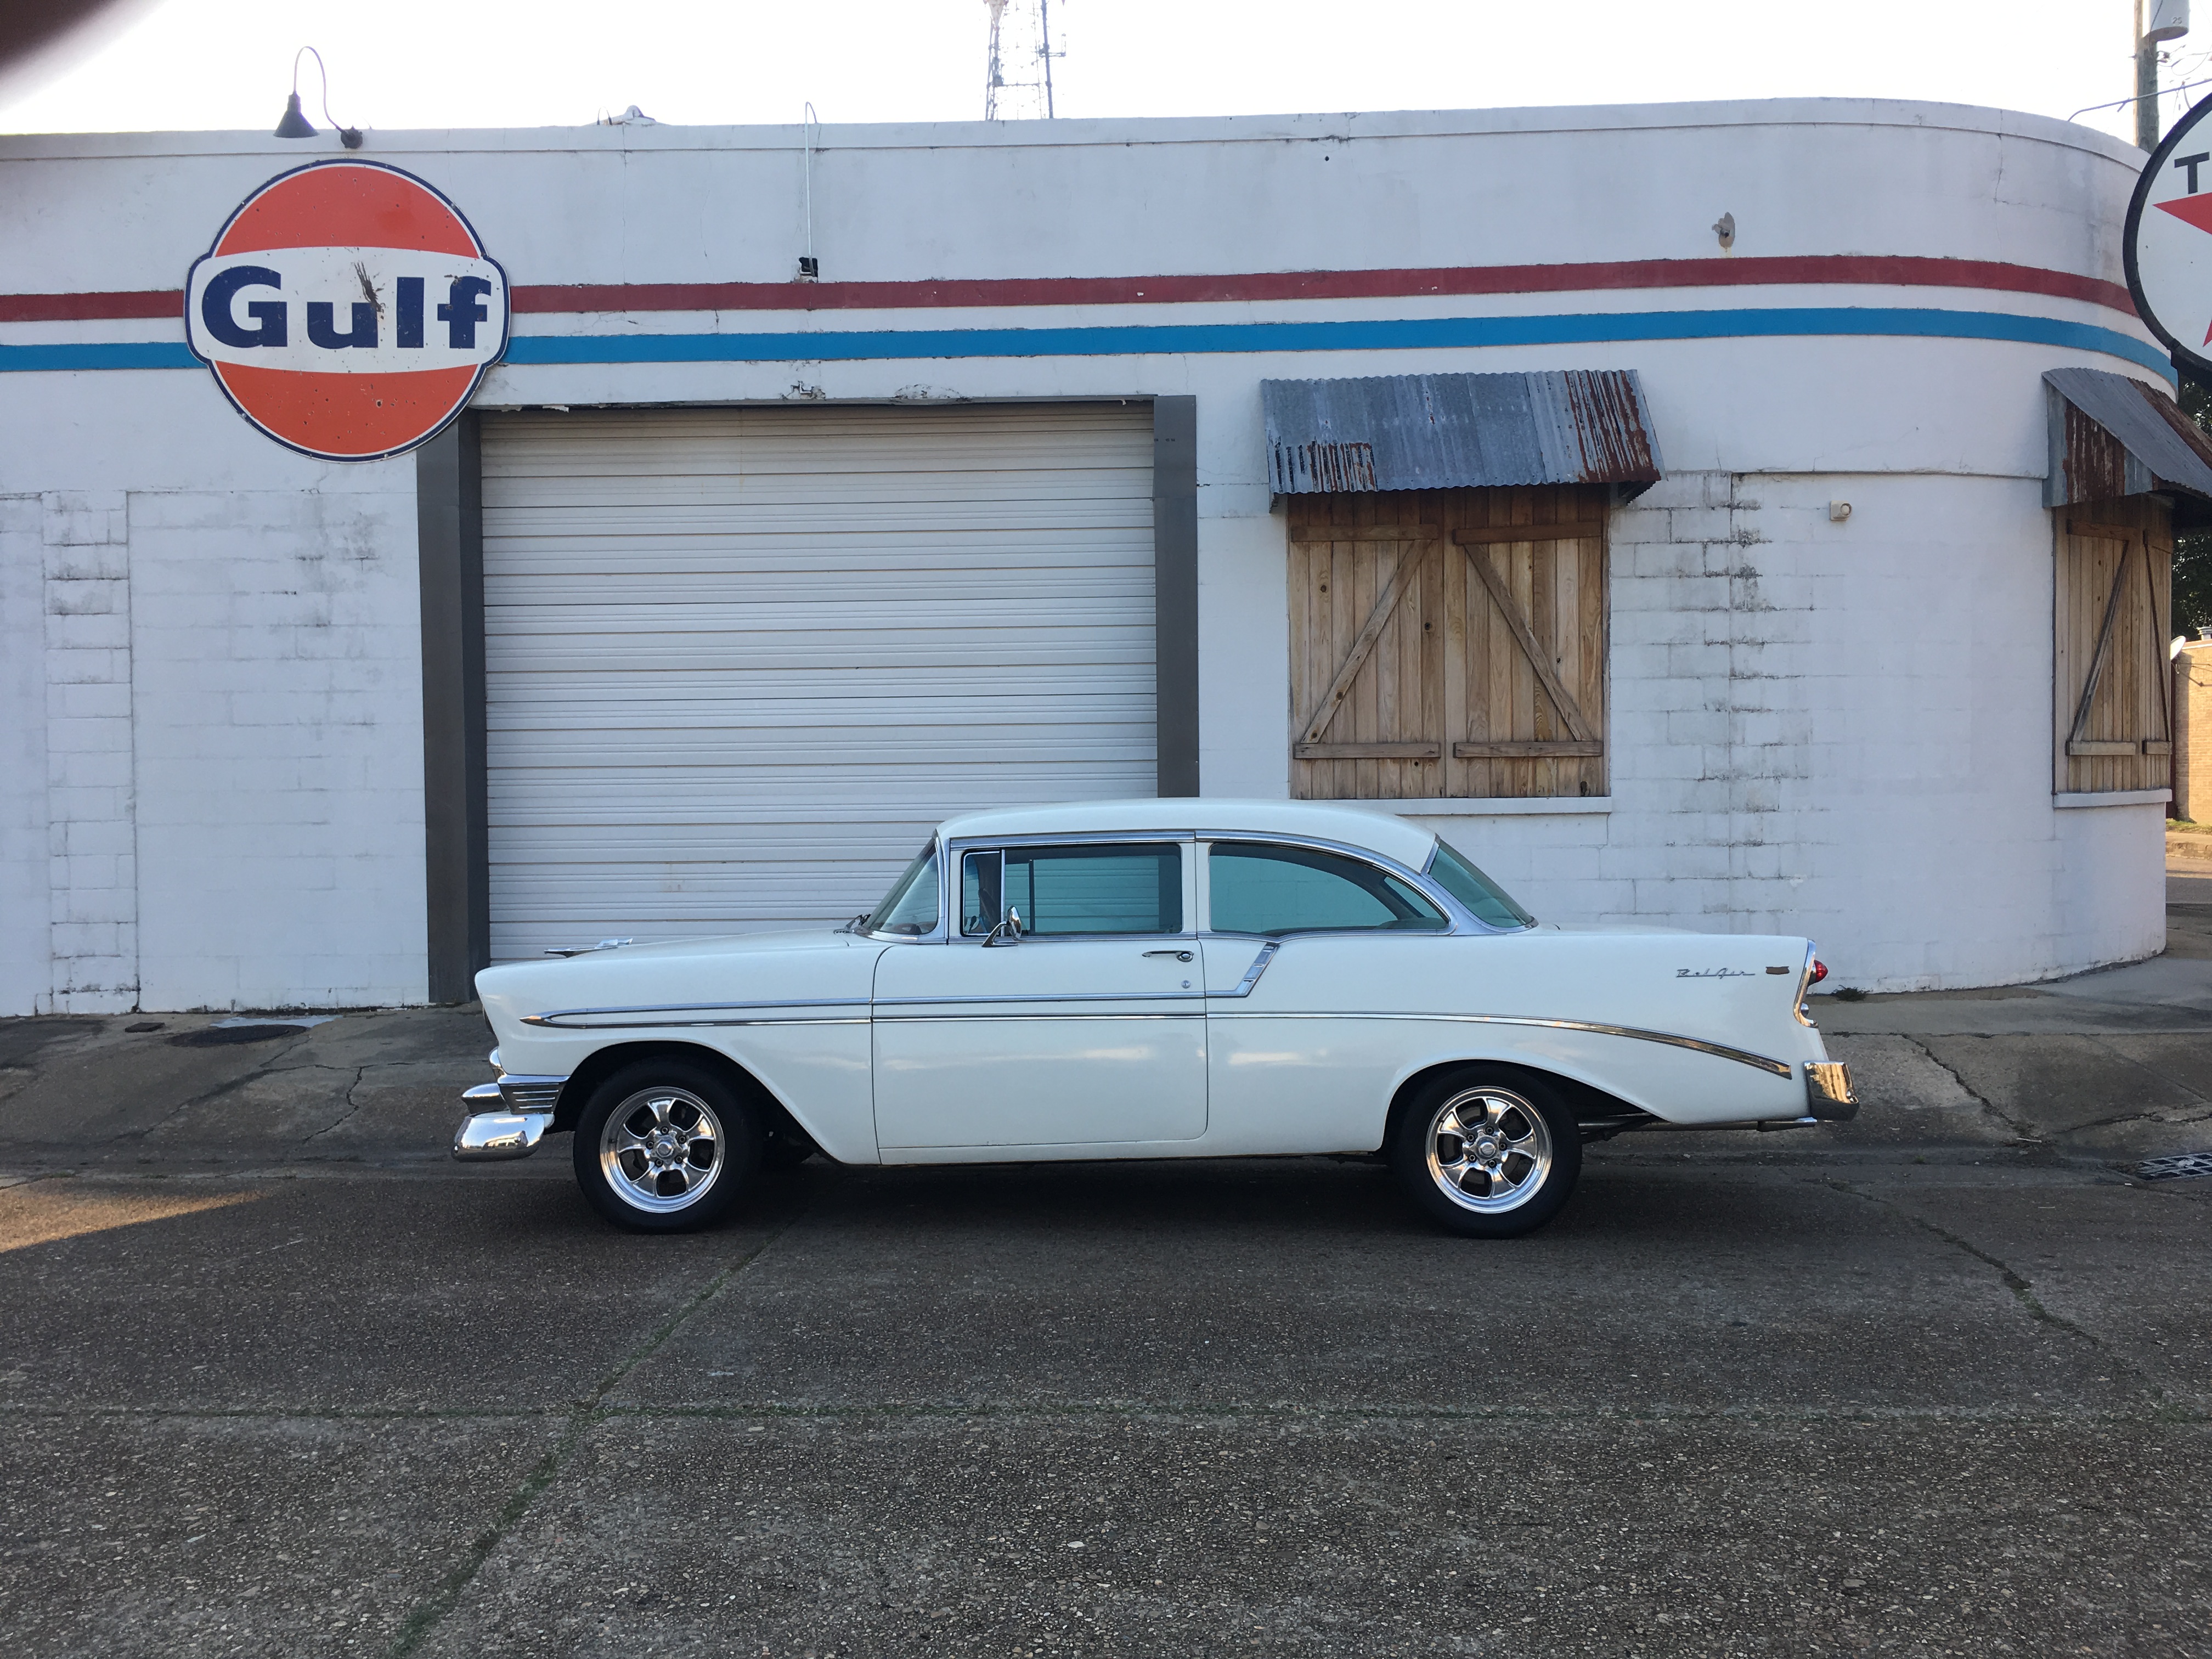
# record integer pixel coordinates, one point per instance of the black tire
(639, 1153)
(1486, 1152)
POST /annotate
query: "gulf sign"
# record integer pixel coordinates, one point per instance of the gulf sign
(2167, 246)
(347, 310)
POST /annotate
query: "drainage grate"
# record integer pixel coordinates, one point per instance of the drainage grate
(2176, 1167)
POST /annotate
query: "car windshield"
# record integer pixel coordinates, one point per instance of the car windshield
(910, 908)
(1489, 901)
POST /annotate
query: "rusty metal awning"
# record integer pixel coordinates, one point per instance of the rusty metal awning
(2113, 436)
(1449, 431)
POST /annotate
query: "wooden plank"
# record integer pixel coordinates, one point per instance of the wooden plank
(2157, 746)
(1570, 710)
(1534, 749)
(2101, 652)
(1392, 751)
(1577, 530)
(2089, 748)
(1301, 534)
(1385, 603)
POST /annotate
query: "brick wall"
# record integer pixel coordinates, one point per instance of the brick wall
(2192, 733)
(91, 755)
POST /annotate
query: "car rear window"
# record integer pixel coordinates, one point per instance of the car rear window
(1261, 889)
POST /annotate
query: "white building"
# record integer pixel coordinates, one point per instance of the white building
(729, 585)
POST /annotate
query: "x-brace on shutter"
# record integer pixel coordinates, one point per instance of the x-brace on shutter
(2113, 702)
(1449, 642)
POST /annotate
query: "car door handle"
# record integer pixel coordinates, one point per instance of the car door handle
(1180, 956)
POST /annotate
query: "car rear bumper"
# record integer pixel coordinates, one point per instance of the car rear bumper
(506, 1118)
(1828, 1094)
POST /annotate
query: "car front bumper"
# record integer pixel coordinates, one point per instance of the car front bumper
(506, 1118)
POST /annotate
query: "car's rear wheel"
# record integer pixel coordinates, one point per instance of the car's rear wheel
(665, 1147)
(1488, 1151)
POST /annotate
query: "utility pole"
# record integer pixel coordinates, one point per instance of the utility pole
(2169, 20)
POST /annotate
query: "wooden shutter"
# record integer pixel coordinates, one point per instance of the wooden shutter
(1448, 642)
(2114, 600)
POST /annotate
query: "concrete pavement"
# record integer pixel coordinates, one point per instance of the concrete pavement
(277, 1378)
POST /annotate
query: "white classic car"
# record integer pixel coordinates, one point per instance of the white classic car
(1154, 979)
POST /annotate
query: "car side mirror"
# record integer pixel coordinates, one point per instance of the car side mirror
(1008, 931)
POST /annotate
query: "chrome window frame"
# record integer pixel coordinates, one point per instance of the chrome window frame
(1437, 846)
(1462, 921)
(936, 935)
(947, 855)
(957, 851)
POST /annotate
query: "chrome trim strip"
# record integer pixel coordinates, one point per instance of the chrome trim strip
(553, 1014)
(1259, 967)
(1805, 986)
(701, 1025)
(1760, 1062)
(530, 1094)
(924, 1020)
(1037, 996)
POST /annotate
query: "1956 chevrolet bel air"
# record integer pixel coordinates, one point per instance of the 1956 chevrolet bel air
(1154, 979)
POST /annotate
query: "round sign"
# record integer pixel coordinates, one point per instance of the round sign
(347, 310)
(2168, 242)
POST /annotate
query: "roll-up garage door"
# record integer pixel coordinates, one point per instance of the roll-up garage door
(739, 662)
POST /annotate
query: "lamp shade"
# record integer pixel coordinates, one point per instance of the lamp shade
(294, 125)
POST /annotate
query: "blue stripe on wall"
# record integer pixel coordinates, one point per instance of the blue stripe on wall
(120, 354)
(1394, 334)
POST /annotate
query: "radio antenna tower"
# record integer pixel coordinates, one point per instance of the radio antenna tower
(1018, 78)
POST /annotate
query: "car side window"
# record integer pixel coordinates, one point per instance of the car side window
(1061, 891)
(1262, 889)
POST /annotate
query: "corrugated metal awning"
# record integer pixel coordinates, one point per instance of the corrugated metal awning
(1448, 431)
(2113, 436)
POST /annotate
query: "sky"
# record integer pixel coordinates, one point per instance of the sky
(224, 64)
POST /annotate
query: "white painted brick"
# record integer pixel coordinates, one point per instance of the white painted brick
(105, 700)
(87, 597)
(1675, 490)
(1701, 524)
(77, 667)
(98, 734)
(66, 837)
(86, 938)
(81, 517)
(87, 561)
(67, 633)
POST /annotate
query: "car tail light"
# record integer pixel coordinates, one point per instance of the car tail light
(1820, 971)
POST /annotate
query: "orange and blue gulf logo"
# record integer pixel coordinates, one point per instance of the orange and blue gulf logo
(347, 310)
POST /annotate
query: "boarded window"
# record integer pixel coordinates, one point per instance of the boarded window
(1448, 642)
(2114, 601)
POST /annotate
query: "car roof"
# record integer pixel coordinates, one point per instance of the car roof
(1378, 832)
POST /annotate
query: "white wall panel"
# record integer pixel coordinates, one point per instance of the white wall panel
(738, 662)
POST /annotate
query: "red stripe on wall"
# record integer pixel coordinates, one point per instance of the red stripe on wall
(91, 307)
(1853, 269)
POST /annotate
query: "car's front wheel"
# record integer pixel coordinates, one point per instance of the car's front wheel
(1486, 1152)
(664, 1147)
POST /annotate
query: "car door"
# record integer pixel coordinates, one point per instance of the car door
(1084, 1029)
(1312, 957)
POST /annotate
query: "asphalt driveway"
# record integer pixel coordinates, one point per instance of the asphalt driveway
(275, 1377)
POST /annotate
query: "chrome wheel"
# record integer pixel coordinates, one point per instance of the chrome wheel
(1489, 1150)
(661, 1150)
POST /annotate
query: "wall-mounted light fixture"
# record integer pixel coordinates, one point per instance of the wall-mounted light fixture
(296, 125)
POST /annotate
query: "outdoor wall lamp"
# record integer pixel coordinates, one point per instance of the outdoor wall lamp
(296, 125)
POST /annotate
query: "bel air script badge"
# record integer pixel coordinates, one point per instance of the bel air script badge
(1712, 973)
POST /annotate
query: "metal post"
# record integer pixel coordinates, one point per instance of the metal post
(2146, 88)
